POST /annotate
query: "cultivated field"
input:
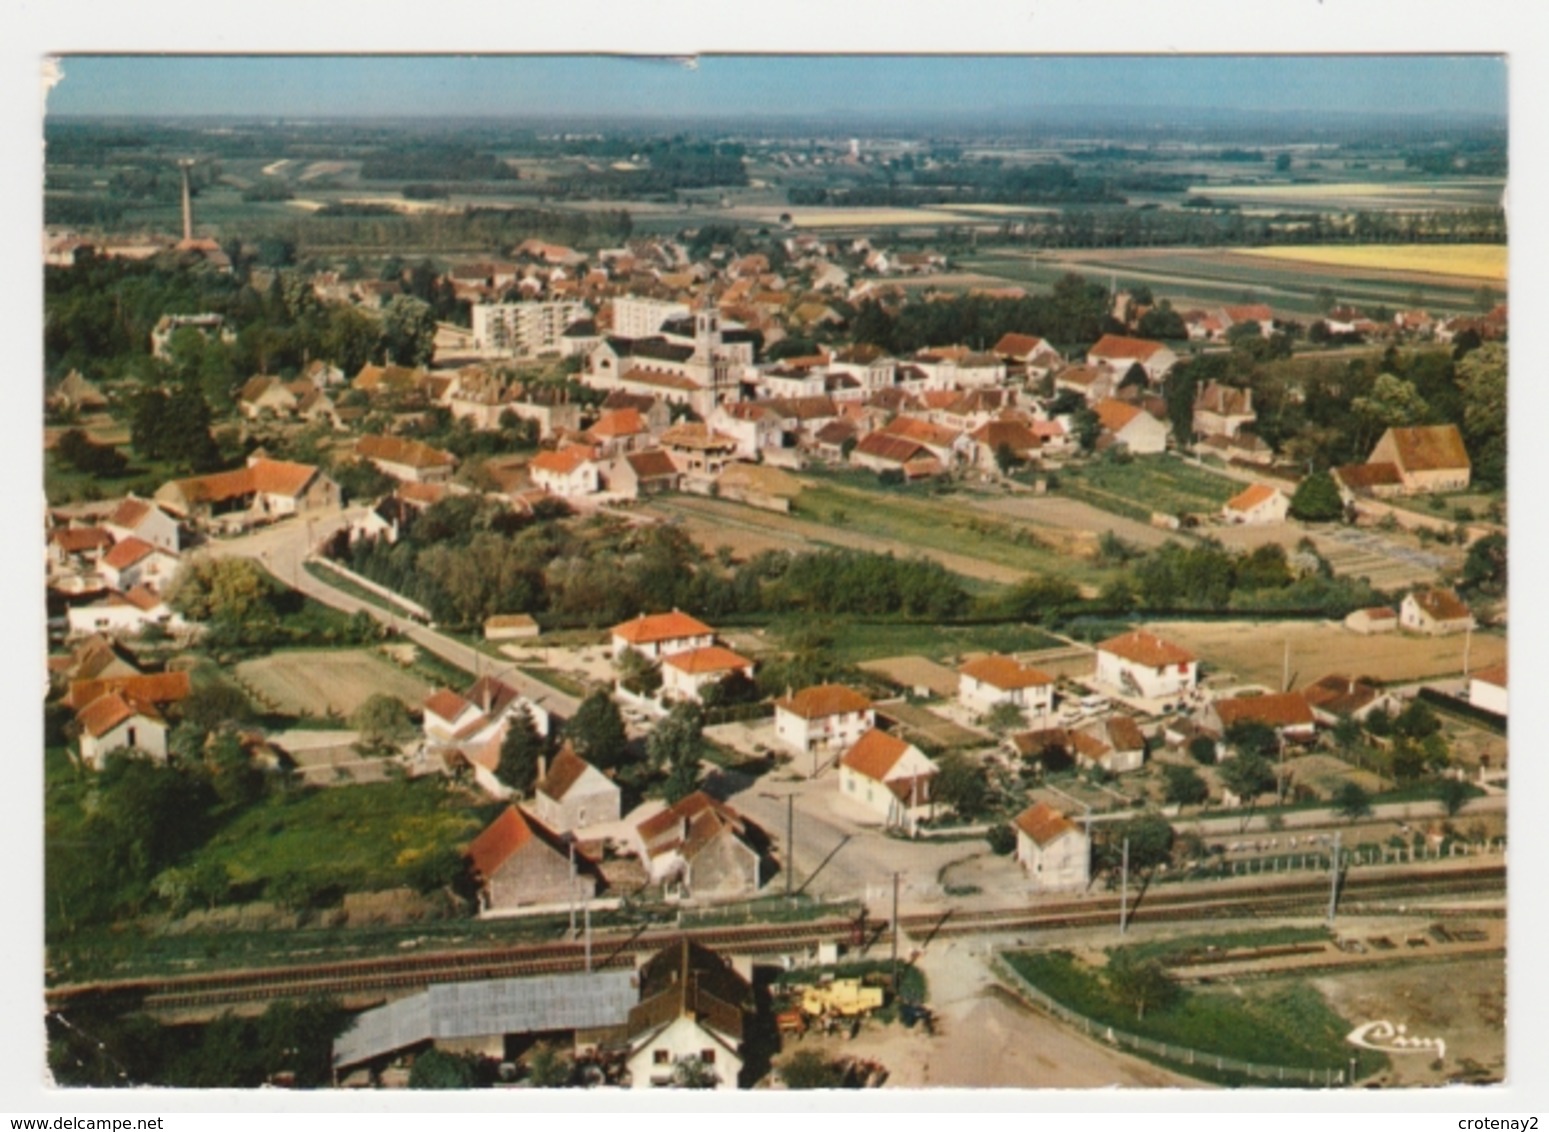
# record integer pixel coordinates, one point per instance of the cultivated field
(308, 682)
(1386, 195)
(1482, 261)
(1254, 650)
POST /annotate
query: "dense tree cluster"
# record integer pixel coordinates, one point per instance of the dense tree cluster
(1075, 310)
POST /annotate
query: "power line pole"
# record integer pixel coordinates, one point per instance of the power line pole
(587, 911)
(790, 842)
(895, 933)
(1124, 891)
(572, 890)
(1333, 879)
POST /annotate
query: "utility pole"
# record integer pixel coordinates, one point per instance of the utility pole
(1468, 642)
(1333, 879)
(1285, 668)
(572, 889)
(790, 842)
(1124, 891)
(895, 933)
(587, 909)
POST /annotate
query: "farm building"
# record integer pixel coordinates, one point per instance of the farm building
(569, 472)
(1117, 352)
(889, 777)
(572, 794)
(521, 864)
(493, 1017)
(639, 474)
(693, 1007)
(409, 461)
(1487, 688)
(990, 680)
(1378, 619)
(882, 453)
(510, 627)
(687, 674)
(1222, 410)
(659, 635)
(700, 847)
(1428, 457)
(821, 721)
(265, 489)
(1031, 354)
(142, 519)
(1056, 852)
(1288, 713)
(115, 721)
(1343, 697)
(1142, 664)
(1435, 612)
(135, 562)
(123, 614)
(758, 485)
(1258, 503)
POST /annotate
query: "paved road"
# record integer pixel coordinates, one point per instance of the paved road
(282, 549)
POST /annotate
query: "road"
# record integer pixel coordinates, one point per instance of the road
(283, 548)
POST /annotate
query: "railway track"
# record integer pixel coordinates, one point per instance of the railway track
(361, 978)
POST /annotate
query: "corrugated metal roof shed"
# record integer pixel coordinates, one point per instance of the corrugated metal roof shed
(493, 1006)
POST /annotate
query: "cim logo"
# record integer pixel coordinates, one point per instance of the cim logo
(1385, 1036)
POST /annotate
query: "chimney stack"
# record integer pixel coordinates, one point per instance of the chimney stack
(188, 204)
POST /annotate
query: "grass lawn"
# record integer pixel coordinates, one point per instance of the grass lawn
(356, 838)
(855, 642)
(939, 523)
(1282, 1022)
(1169, 950)
(1148, 484)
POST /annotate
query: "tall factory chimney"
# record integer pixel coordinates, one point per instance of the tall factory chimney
(188, 203)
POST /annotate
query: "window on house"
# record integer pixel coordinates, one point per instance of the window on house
(707, 1056)
(661, 1057)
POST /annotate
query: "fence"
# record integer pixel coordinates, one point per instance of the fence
(1181, 1056)
(1369, 854)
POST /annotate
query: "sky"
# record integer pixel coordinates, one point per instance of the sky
(717, 86)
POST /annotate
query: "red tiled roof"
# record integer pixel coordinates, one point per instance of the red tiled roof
(712, 658)
(1125, 735)
(1429, 448)
(1251, 497)
(1441, 605)
(1251, 312)
(565, 772)
(1340, 695)
(107, 712)
(447, 704)
(652, 464)
(1146, 648)
(651, 628)
(1017, 345)
(1495, 674)
(129, 513)
(1004, 673)
(874, 754)
(127, 553)
(499, 840)
(824, 700)
(922, 432)
(1361, 476)
(618, 423)
(1119, 347)
(1043, 823)
(563, 462)
(156, 688)
(895, 449)
(74, 540)
(269, 477)
(399, 450)
(1114, 415)
(1283, 709)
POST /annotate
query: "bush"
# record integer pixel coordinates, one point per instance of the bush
(1002, 839)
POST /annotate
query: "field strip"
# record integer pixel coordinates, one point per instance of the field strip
(819, 535)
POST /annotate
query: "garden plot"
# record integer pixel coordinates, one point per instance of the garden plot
(327, 681)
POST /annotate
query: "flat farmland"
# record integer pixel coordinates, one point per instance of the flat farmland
(1149, 484)
(1254, 650)
(306, 682)
(1209, 277)
(1392, 196)
(1475, 261)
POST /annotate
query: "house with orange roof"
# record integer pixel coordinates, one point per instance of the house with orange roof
(116, 721)
(1055, 851)
(820, 722)
(990, 680)
(1142, 664)
(135, 562)
(1256, 504)
(1487, 689)
(573, 794)
(1222, 410)
(142, 519)
(685, 675)
(882, 452)
(1118, 352)
(639, 474)
(891, 778)
(1128, 424)
(1377, 619)
(157, 689)
(700, 847)
(1092, 382)
(568, 472)
(1288, 713)
(264, 489)
(1027, 354)
(1435, 611)
(1428, 457)
(619, 431)
(694, 1008)
(659, 635)
(409, 461)
(123, 614)
(521, 865)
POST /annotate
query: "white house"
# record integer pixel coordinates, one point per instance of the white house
(1255, 504)
(659, 635)
(1435, 612)
(1378, 619)
(889, 777)
(569, 472)
(1487, 688)
(135, 562)
(115, 720)
(142, 519)
(821, 721)
(990, 680)
(1118, 353)
(686, 674)
(122, 614)
(1056, 853)
(1142, 664)
(1289, 713)
(1131, 426)
(693, 1007)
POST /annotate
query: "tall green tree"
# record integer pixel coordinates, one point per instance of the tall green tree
(520, 751)
(676, 747)
(597, 731)
(1316, 499)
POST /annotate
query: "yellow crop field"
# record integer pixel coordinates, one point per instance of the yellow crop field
(1323, 190)
(866, 217)
(1475, 261)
